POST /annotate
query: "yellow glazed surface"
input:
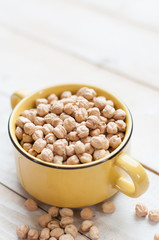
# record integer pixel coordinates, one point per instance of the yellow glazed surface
(76, 185)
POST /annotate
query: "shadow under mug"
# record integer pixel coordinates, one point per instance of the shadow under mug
(76, 185)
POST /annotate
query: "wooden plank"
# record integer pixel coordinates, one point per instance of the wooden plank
(122, 224)
(98, 38)
(141, 13)
(13, 213)
(25, 63)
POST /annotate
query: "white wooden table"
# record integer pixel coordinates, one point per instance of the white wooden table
(111, 44)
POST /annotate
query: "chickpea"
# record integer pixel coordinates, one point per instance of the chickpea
(87, 93)
(43, 109)
(50, 138)
(88, 148)
(58, 159)
(103, 119)
(73, 160)
(50, 146)
(110, 102)
(57, 121)
(69, 124)
(94, 111)
(92, 122)
(53, 224)
(30, 114)
(27, 146)
(32, 152)
(70, 150)
(39, 145)
(100, 142)
(39, 121)
(66, 221)
(37, 134)
(52, 98)
(85, 158)
(72, 230)
(33, 234)
(114, 141)
(57, 232)
(63, 116)
(50, 117)
(29, 128)
(86, 225)
(156, 236)
(41, 101)
(86, 139)
(45, 234)
(100, 102)
(94, 233)
(81, 115)
(100, 153)
(141, 210)
(121, 135)
(22, 231)
(82, 102)
(66, 212)
(79, 147)
(69, 108)
(66, 237)
(102, 127)
(52, 238)
(27, 138)
(30, 204)
(121, 125)
(82, 131)
(108, 111)
(21, 121)
(19, 133)
(60, 131)
(53, 211)
(47, 155)
(119, 114)
(59, 147)
(112, 128)
(73, 136)
(66, 94)
(57, 108)
(154, 215)
(108, 207)
(95, 132)
(44, 220)
(86, 213)
(47, 128)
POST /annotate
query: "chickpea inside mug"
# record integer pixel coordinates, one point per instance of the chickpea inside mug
(74, 136)
(71, 129)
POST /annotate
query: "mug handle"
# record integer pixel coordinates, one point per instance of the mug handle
(136, 172)
(17, 96)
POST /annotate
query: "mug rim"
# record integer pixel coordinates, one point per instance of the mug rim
(78, 166)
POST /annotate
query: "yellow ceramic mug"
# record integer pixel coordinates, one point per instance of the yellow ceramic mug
(76, 185)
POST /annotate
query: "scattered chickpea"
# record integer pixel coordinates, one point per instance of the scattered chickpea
(30, 204)
(72, 230)
(156, 236)
(66, 221)
(141, 210)
(33, 234)
(44, 220)
(22, 231)
(108, 207)
(19, 133)
(53, 211)
(57, 232)
(86, 213)
(66, 237)
(53, 224)
(45, 233)
(94, 232)
(66, 212)
(154, 215)
(86, 225)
